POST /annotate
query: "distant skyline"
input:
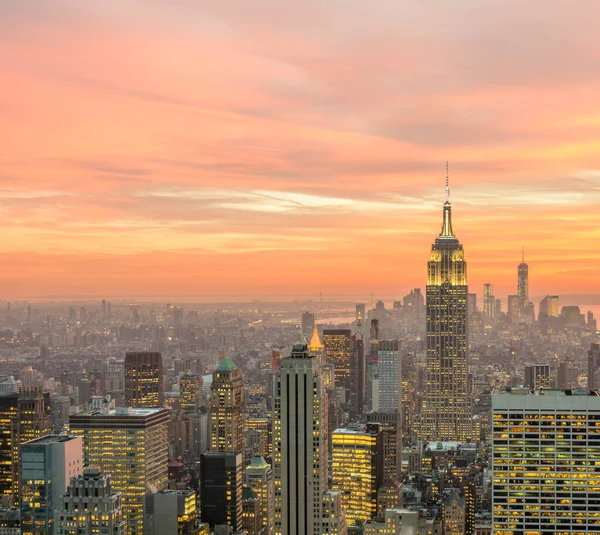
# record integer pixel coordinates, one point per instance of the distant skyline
(285, 148)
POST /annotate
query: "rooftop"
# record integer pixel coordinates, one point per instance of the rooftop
(227, 365)
(51, 439)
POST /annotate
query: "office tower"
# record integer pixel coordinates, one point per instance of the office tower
(453, 513)
(489, 301)
(357, 376)
(390, 376)
(338, 351)
(31, 421)
(544, 453)
(131, 445)
(498, 308)
(357, 471)
(47, 465)
(390, 428)
(221, 475)
(523, 281)
(562, 377)
(514, 309)
(258, 476)
(549, 306)
(334, 517)
(469, 493)
(361, 312)
(300, 446)
(390, 495)
(537, 376)
(593, 366)
(446, 413)
(227, 409)
(89, 506)
(189, 392)
(8, 412)
(171, 512)
(308, 324)
(144, 380)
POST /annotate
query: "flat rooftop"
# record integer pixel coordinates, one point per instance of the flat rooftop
(51, 439)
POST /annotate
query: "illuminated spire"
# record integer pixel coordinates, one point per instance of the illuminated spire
(315, 343)
(447, 224)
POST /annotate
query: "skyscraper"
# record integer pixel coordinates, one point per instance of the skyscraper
(221, 479)
(447, 406)
(489, 301)
(537, 376)
(308, 324)
(144, 380)
(47, 465)
(390, 376)
(357, 375)
(227, 409)
(357, 471)
(593, 365)
(523, 281)
(545, 451)
(131, 445)
(300, 445)
(189, 392)
(338, 351)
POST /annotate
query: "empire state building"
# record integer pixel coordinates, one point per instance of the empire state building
(446, 414)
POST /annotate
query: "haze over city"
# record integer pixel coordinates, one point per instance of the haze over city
(286, 148)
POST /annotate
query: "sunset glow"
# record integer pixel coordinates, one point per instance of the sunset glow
(230, 147)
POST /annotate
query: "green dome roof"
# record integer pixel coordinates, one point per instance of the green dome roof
(227, 365)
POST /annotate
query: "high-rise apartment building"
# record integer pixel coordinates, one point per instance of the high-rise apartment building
(300, 445)
(221, 481)
(90, 506)
(47, 465)
(144, 380)
(545, 451)
(489, 301)
(31, 421)
(132, 446)
(357, 471)
(258, 475)
(446, 413)
(227, 409)
(338, 351)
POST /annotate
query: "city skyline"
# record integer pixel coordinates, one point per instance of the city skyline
(125, 161)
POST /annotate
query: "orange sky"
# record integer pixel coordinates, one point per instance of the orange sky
(265, 148)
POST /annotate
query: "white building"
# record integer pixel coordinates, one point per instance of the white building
(47, 464)
(545, 457)
(300, 446)
(90, 506)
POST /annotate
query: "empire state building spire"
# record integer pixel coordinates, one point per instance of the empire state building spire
(447, 223)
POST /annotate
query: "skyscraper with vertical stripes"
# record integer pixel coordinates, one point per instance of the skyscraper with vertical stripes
(446, 413)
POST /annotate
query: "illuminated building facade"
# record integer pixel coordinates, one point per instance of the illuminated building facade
(523, 282)
(144, 380)
(227, 409)
(545, 455)
(221, 483)
(47, 465)
(132, 446)
(338, 351)
(258, 476)
(489, 301)
(90, 506)
(189, 390)
(446, 413)
(32, 421)
(391, 430)
(515, 309)
(300, 426)
(549, 306)
(357, 471)
(8, 412)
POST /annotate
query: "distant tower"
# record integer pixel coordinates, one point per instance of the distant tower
(523, 281)
(447, 406)
(489, 301)
(338, 351)
(227, 409)
(144, 380)
(308, 324)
